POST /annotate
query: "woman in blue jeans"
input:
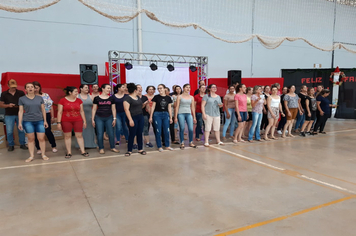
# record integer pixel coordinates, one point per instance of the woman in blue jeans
(161, 115)
(33, 114)
(230, 118)
(119, 98)
(198, 113)
(257, 102)
(104, 115)
(133, 108)
(185, 112)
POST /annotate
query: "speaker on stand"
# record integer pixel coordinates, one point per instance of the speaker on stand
(88, 74)
(233, 77)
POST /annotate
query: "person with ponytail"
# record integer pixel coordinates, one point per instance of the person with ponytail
(135, 121)
(104, 116)
(71, 116)
(119, 98)
(210, 107)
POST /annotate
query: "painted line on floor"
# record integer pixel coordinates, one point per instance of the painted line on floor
(234, 231)
(86, 159)
(290, 172)
(295, 166)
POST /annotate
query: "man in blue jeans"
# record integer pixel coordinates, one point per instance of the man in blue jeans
(9, 100)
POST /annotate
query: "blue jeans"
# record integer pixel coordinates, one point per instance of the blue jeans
(256, 124)
(34, 126)
(10, 123)
(136, 130)
(231, 120)
(161, 124)
(104, 124)
(300, 121)
(121, 127)
(182, 118)
(198, 129)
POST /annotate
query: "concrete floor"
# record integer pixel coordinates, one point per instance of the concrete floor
(293, 186)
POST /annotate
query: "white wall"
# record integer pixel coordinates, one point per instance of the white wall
(59, 38)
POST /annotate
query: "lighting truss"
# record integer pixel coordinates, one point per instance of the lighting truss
(116, 57)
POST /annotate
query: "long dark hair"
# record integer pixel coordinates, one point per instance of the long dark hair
(35, 83)
(103, 86)
(116, 88)
(175, 90)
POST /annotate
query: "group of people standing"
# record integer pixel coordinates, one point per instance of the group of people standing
(129, 114)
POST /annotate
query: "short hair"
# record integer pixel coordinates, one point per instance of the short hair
(28, 84)
(150, 86)
(324, 91)
(82, 86)
(131, 87)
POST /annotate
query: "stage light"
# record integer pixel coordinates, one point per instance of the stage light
(153, 66)
(170, 66)
(192, 67)
(128, 66)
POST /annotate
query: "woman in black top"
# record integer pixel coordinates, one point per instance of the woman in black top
(135, 120)
(161, 113)
(310, 111)
(104, 115)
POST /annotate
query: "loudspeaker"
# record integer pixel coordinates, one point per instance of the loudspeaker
(233, 76)
(88, 74)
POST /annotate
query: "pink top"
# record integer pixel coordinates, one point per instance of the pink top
(230, 100)
(242, 99)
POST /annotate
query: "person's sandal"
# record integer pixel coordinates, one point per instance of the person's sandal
(68, 156)
(206, 145)
(127, 154)
(192, 145)
(29, 159)
(142, 152)
(160, 149)
(175, 142)
(169, 149)
(45, 158)
(85, 154)
(115, 150)
(221, 144)
(182, 146)
(101, 151)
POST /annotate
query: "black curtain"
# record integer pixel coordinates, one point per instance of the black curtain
(315, 77)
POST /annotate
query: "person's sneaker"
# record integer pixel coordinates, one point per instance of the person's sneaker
(286, 131)
(54, 150)
(279, 132)
(302, 134)
(23, 147)
(307, 133)
(11, 148)
(149, 145)
(134, 147)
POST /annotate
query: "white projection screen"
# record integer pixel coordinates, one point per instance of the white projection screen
(144, 76)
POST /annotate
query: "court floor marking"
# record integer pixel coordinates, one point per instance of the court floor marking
(234, 231)
(290, 172)
(295, 166)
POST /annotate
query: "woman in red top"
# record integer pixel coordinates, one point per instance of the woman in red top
(198, 113)
(71, 116)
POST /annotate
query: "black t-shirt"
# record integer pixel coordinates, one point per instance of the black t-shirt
(8, 98)
(161, 102)
(104, 106)
(144, 99)
(302, 100)
(135, 105)
(312, 104)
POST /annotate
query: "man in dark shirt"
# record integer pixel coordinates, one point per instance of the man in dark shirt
(9, 100)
